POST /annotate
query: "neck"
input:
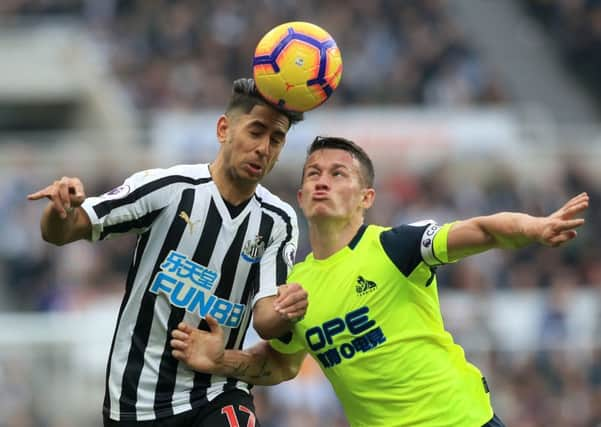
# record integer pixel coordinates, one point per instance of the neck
(233, 190)
(327, 238)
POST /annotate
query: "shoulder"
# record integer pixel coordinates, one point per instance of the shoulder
(406, 233)
(390, 237)
(274, 204)
(403, 244)
(200, 170)
(196, 171)
(193, 174)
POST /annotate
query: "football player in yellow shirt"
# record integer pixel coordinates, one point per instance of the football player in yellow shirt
(374, 323)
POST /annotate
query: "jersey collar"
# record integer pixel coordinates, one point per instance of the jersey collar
(355, 240)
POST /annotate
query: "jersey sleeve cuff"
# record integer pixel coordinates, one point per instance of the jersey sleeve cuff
(281, 347)
(88, 207)
(264, 294)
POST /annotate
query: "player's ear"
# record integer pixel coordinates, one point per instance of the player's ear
(299, 196)
(368, 197)
(223, 124)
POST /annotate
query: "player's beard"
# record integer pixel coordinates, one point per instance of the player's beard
(240, 178)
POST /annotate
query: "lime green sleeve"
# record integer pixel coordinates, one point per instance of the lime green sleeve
(434, 244)
(288, 344)
(441, 242)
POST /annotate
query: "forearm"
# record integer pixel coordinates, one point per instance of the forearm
(269, 321)
(260, 365)
(272, 326)
(505, 230)
(57, 230)
(510, 230)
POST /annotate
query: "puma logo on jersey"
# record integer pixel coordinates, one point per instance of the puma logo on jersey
(184, 215)
(364, 286)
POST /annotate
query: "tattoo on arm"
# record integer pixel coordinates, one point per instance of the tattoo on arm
(264, 371)
(243, 369)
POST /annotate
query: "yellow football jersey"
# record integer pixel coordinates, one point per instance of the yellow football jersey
(375, 327)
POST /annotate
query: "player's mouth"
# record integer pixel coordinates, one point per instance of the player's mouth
(320, 195)
(254, 168)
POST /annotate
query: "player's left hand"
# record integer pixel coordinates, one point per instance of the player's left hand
(291, 302)
(201, 350)
(559, 227)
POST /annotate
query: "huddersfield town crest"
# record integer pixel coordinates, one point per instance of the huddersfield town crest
(253, 249)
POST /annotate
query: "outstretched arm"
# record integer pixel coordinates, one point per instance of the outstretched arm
(509, 230)
(204, 351)
(63, 220)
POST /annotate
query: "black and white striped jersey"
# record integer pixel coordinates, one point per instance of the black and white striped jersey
(191, 258)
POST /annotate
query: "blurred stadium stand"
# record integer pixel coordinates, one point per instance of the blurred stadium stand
(467, 108)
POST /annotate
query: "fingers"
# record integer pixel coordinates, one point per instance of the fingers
(293, 310)
(39, 194)
(184, 327)
(178, 344)
(179, 341)
(179, 335)
(195, 347)
(292, 301)
(295, 316)
(64, 194)
(562, 231)
(289, 290)
(213, 324)
(179, 355)
(569, 224)
(577, 199)
(185, 333)
(562, 238)
(289, 294)
(573, 206)
(179, 348)
(77, 192)
(182, 339)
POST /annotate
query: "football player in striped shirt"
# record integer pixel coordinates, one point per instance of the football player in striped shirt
(374, 324)
(212, 242)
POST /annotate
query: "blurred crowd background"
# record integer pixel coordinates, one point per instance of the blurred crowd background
(185, 54)
(529, 319)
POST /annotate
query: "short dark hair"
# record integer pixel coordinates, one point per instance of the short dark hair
(367, 167)
(245, 96)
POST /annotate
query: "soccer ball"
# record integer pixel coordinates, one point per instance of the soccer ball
(297, 66)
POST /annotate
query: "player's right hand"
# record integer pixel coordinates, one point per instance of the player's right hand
(291, 301)
(200, 350)
(65, 195)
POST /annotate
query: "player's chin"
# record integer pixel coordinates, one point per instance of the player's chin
(318, 212)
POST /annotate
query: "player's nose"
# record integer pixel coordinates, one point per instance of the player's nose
(263, 147)
(322, 183)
